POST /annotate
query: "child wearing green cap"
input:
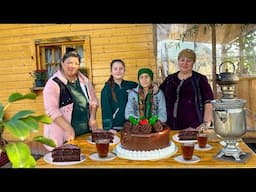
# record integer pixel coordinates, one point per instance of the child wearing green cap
(144, 101)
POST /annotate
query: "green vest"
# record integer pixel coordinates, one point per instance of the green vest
(80, 114)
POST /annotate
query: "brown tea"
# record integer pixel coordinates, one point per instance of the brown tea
(187, 150)
(102, 146)
(202, 140)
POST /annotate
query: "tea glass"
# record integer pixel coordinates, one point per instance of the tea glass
(202, 140)
(102, 146)
(187, 150)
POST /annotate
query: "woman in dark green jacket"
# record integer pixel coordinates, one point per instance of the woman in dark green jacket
(114, 97)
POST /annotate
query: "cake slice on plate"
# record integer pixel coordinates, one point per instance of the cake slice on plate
(188, 134)
(66, 152)
(102, 134)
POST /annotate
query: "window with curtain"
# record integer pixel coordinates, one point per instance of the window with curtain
(50, 51)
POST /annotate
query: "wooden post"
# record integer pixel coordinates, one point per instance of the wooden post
(214, 86)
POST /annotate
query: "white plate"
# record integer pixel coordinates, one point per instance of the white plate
(95, 156)
(176, 138)
(115, 140)
(48, 159)
(206, 148)
(180, 159)
(146, 155)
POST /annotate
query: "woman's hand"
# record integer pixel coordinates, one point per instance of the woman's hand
(155, 87)
(69, 135)
(93, 124)
(69, 132)
(204, 126)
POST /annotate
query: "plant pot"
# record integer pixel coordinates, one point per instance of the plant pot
(39, 83)
(3, 159)
(3, 156)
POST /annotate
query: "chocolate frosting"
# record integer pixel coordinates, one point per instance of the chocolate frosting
(146, 141)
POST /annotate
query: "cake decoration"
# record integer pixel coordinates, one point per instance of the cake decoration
(144, 125)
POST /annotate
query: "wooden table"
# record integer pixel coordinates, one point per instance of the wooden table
(207, 161)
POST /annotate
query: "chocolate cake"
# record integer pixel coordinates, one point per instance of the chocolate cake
(145, 137)
(67, 152)
(102, 134)
(187, 135)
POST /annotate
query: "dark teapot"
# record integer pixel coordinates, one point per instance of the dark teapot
(227, 76)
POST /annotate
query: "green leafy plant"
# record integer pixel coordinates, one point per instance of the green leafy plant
(39, 74)
(20, 125)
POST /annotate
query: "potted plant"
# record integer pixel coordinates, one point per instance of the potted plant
(20, 125)
(40, 76)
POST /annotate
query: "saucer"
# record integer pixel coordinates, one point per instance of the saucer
(206, 148)
(95, 156)
(48, 159)
(180, 159)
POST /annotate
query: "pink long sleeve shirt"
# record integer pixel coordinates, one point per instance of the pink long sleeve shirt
(51, 96)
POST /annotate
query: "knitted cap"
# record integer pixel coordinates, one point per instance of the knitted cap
(189, 53)
(146, 70)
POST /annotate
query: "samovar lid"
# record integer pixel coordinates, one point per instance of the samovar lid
(226, 78)
(228, 103)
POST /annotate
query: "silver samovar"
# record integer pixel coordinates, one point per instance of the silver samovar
(229, 115)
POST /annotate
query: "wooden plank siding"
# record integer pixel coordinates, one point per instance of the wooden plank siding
(246, 89)
(131, 42)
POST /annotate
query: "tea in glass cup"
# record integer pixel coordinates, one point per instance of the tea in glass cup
(187, 150)
(202, 139)
(102, 146)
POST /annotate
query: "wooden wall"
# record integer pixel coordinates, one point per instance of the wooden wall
(246, 89)
(134, 43)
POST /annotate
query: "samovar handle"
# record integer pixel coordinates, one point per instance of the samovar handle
(234, 68)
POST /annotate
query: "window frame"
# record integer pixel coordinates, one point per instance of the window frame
(63, 42)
